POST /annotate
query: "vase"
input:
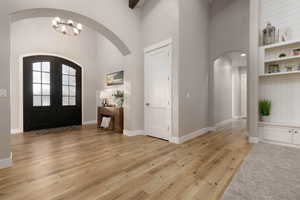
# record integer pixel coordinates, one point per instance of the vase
(119, 102)
(265, 118)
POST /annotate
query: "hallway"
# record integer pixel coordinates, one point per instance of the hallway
(84, 163)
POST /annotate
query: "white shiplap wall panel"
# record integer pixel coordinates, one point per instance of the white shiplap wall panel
(283, 91)
(282, 14)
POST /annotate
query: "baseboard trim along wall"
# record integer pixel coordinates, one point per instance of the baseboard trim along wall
(180, 140)
(130, 133)
(239, 117)
(5, 163)
(223, 123)
(253, 140)
(89, 122)
(16, 131)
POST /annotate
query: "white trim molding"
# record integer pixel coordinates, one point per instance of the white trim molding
(170, 109)
(223, 123)
(158, 45)
(16, 131)
(131, 133)
(7, 162)
(253, 140)
(90, 122)
(239, 117)
(180, 140)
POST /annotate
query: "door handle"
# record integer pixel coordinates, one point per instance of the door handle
(147, 104)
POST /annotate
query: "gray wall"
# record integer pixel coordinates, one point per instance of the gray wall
(236, 92)
(193, 68)
(223, 89)
(229, 31)
(4, 82)
(186, 22)
(159, 22)
(110, 60)
(229, 27)
(125, 24)
(41, 38)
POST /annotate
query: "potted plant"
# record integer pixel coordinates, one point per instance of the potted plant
(265, 110)
(119, 98)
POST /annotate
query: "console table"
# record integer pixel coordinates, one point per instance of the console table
(116, 115)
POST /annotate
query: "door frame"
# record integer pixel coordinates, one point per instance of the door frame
(21, 95)
(162, 44)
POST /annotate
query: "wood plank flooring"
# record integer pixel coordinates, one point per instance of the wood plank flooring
(87, 164)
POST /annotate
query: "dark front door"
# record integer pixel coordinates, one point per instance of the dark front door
(52, 93)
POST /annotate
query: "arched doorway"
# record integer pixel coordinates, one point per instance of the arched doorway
(52, 12)
(43, 14)
(52, 92)
(230, 88)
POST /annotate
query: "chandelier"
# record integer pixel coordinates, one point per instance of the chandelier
(66, 27)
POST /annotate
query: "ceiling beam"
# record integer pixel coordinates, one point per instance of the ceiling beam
(133, 3)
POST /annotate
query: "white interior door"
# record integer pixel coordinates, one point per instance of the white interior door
(158, 93)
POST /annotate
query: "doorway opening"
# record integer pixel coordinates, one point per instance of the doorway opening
(230, 89)
(52, 93)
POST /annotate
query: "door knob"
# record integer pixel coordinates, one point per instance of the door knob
(147, 104)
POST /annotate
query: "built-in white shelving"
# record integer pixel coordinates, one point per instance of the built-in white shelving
(281, 44)
(270, 57)
(289, 58)
(281, 91)
(279, 74)
(277, 124)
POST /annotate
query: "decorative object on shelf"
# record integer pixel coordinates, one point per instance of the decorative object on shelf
(104, 96)
(289, 68)
(282, 55)
(296, 52)
(265, 110)
(270, 35)
(273, 68)
(66, 26)
(298, 66)
(285, 34)
(116, 78)
(105, 122)
(115, 114)
(119, 98)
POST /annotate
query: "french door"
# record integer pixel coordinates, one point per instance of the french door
(51, 93)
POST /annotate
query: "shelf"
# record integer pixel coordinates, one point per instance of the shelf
(282, 59)
(279, 74)
(281, 44)
(288, 125)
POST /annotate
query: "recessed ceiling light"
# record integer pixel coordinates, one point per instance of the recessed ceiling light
(243, 54)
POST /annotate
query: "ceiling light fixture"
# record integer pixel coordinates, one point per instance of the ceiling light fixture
(66, 27)
(243, 54)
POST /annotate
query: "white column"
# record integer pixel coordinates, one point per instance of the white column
(5, 151)
(253, 71)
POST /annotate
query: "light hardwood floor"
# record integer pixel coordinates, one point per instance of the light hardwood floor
(87, 164)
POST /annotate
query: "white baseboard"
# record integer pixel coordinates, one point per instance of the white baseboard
(223, 123)
(180, 140)
(15, 131)
(5, 163)
(239, 117)
(253, 140)
(89, 122)
(280, 144)
(131, 133)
